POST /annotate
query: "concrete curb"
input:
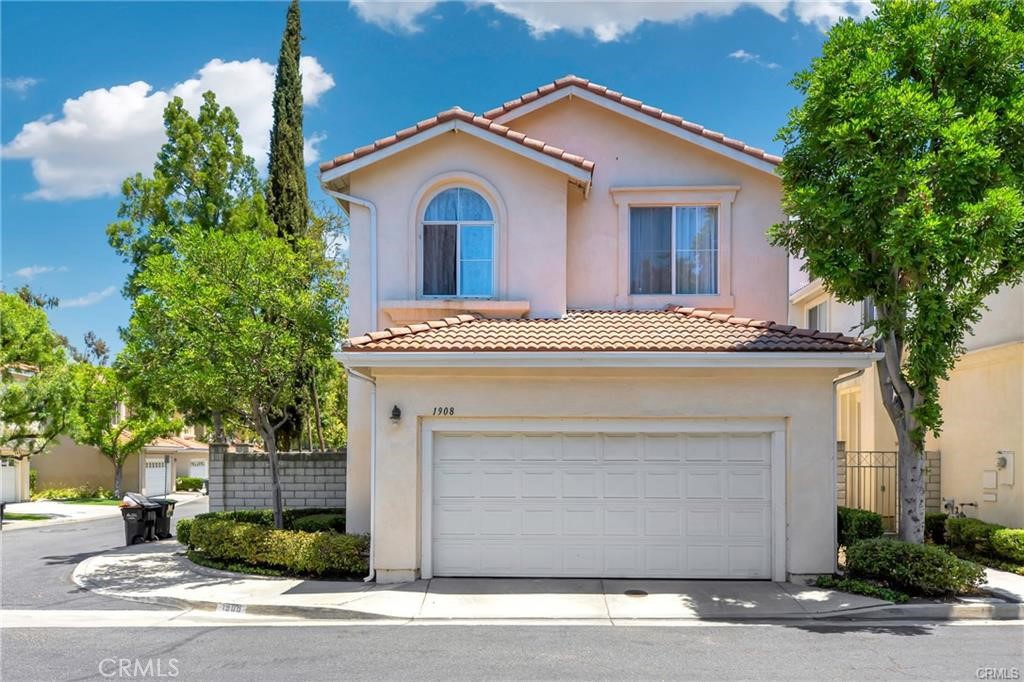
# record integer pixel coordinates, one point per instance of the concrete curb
(64, 522)
(891, 612)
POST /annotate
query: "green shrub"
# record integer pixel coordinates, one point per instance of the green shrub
(995, 562)
(290, 515)
(855, 525)
(74, 493)
(320, 522)
(184, 529)
(33, 480)
(935, 527)
(297, 552)
(971, 534)
(920, 569)
(863, 587)
(1009, 543)
(189, 483)
(265, 517)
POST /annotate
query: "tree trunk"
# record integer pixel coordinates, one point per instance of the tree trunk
(316, 413)
(118, 480)
(269, 435)
(900, 400)
(218, 428)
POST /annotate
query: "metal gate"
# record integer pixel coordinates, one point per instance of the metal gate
(872, 483)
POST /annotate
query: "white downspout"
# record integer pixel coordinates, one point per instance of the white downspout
(372, 208)
(373, 464)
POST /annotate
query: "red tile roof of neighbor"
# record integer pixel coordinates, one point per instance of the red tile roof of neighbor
(459, 114)
(177, 442)
(618, 97)
(675, 329)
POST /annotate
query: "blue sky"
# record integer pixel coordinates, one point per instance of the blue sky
(84, 84)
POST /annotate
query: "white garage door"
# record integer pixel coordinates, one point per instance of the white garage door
(156, 476)
(627, 505)
(197, 468)
(8, 480)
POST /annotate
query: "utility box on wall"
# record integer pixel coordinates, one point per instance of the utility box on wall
(1004, 467)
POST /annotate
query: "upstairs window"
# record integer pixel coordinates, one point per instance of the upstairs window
(458, 245)
(673, 250)
(817, 317)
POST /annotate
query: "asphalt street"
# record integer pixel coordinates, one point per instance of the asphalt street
(37, 566)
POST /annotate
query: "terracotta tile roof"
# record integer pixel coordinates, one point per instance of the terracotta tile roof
(675, 329)
(177, 442)
(457, 113)
(653, 112)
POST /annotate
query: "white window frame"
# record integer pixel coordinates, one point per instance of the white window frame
(459, 224)
(675, 250)
(721, 196)
(825, 315)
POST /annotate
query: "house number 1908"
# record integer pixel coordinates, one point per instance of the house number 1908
(444, 411)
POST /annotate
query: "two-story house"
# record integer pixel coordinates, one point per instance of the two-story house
(570, 365)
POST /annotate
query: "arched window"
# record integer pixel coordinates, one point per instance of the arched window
(458, 245)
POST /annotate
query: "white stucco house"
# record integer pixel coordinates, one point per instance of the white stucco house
(567, 363)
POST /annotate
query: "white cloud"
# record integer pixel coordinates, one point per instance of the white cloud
(30, 272)
(21, 84)
(611, 21)
(105, 135)
(91, 298)
(750, 57)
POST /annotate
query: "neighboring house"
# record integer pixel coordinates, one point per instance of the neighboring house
(982, 438)
(575, 372)
(14, 471)
(154, 471)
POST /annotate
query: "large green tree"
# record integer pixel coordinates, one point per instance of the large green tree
(108, 417)
(904, 171)
(287, 197)
(232, 318)
(36, 392)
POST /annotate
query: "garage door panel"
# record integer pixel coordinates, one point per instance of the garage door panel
(624, 505)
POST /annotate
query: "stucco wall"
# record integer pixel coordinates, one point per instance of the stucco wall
(629, 153)
(983, 409)
(802, 397)
(68, 464)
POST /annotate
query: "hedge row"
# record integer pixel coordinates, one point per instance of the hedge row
(855, 525)
(324, 554)
(986, 539)
(265, 517)
(190, 483)
(921, 569)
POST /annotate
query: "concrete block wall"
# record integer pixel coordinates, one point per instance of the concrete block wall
(933, 481)
(840, 474)
(241, 480)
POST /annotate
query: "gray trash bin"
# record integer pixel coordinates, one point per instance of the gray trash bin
(139, 514)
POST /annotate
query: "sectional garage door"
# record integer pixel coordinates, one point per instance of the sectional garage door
(627, 505)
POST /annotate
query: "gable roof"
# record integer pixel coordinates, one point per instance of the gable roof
(578, 168)
(604, 96)
(675, 329)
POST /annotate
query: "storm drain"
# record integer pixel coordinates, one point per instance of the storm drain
(635, 593)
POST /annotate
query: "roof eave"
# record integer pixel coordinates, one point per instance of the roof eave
(578, 175)
(584, 359)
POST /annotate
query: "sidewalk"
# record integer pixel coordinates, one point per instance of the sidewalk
(158, 574)
(65, 512)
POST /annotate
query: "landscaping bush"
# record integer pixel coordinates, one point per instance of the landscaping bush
(971, 534)
(1009, 543)
(921, 569)
(309, 554)
(74, 493)
(265, 517)
(935, 527)
(184, 528)
(33, 480)
(320, 522)
(863, 587)
(857, 524)
(189, 483)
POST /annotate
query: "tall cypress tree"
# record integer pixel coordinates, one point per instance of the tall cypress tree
(287, 201)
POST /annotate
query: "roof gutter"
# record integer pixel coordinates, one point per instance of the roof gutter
(372, 208)
(655, 359)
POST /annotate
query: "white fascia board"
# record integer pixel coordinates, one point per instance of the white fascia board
(575, 172)
(699, 140)
(807, 291)
(766, 360)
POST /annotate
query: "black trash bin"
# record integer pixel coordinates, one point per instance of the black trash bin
(139, 514)
(163, 518)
